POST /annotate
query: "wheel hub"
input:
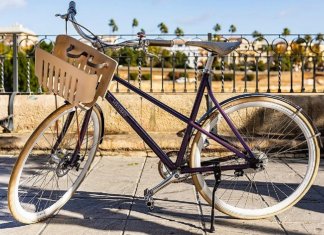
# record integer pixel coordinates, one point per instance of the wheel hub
(260, 162)
(64, 167)
(61, 158)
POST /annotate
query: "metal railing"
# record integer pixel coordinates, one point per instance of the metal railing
(265, 63)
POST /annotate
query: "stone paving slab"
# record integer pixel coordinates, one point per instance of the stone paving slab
(84, 226)
(110, 201)
(175, 206)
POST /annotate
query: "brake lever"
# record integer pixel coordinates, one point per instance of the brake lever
(143, 45)
(64, 17)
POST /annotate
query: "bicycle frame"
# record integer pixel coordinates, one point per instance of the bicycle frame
(191, 124)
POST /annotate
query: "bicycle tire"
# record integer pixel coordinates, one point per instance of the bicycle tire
(227, 198)
(29, 177)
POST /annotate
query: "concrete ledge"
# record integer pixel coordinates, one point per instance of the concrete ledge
(13, 142)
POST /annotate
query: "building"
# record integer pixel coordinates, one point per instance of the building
(25, 37)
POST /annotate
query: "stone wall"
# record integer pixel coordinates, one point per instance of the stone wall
(30, 110)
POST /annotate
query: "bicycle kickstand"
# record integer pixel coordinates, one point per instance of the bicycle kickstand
(217, 175)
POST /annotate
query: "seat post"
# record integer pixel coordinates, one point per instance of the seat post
(209, 63)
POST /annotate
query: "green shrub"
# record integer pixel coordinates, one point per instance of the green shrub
(176, 75)
(241, 68)
(227, 77)
(134, 76)
(261, 66)
(249, 77)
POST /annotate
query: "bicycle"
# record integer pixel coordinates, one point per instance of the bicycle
(234, 154)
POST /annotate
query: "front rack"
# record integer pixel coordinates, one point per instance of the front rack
(75, 71)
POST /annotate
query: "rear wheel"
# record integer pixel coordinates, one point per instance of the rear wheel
(280, 136)
(41, 181)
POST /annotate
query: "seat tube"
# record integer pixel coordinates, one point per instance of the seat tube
(195, 109)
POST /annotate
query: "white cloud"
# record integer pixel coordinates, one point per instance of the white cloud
(11, 3)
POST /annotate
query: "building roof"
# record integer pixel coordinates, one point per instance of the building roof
(16, 28)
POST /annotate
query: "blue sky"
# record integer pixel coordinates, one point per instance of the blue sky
(271, 16)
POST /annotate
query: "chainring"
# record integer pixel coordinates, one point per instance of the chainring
(165, 172)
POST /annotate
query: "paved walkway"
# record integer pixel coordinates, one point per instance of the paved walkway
(103, 206)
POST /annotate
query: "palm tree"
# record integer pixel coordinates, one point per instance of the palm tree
(232, 29)
(217, 28)
(134, 24)
(256, 34)
(113, 25)
(308, 38)
(319, 37)
(163, 28)
(179, 32)
(285, 32)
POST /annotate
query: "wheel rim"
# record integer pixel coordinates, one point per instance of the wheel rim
(271, 196)
(40, 190)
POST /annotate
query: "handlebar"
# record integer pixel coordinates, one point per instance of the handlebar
(163, 43)
(100, 45)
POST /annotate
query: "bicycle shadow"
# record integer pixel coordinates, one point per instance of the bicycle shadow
(106, 204)
(95, 210)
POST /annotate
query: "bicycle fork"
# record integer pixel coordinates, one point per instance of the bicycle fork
(73, 161)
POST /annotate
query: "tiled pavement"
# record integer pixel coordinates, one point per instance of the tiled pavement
(110, 201)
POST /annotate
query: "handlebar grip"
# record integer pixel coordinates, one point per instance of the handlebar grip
(72, 8)
(159, 43)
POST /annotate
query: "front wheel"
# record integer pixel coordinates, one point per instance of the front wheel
(42, 180)
(280, 136)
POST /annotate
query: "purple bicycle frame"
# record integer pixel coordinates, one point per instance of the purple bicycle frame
(191, 124)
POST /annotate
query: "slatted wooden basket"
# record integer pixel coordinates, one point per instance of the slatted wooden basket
(74, 71)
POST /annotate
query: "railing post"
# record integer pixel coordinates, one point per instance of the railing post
(162, 73)
(186, 77)
(173, 71)
(128, 72)
(291, 75)
(314, 74)
(245, 73)
(222, 73)
(268, 73)
(15, 64)
(303, 74)
(196, 71)
(28, 74)
(117, 72)
(151, 73)
(234, 75)
(279, 72)
(257, 74)
(2, 89)
(140, 73)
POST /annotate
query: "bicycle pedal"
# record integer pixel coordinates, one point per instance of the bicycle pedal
(150, 204)
(148, 197)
